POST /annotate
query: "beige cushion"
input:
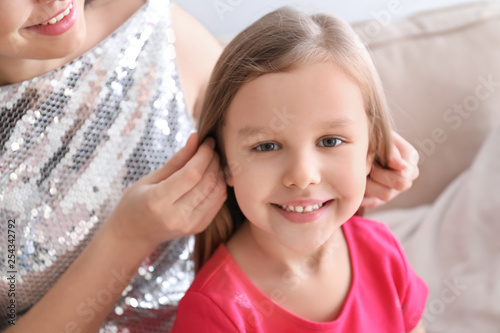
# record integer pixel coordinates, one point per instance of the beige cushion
(441, 74)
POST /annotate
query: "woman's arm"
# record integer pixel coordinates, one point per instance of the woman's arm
(178, 199)
(197, 52)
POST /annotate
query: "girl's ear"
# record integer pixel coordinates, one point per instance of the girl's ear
(370, 159)
(228, 175)
(231, 169)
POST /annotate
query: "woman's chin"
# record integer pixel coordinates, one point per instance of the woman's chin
(69, 48)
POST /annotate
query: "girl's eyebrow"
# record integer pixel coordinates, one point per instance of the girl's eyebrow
(341, 122)
(254, 130)
(260, 130)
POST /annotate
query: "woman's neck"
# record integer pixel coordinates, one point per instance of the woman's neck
(16, 70)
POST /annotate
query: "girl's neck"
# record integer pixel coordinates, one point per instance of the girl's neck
(245, 247)
(313, 286)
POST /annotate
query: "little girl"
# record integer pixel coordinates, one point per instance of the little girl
(299, 117)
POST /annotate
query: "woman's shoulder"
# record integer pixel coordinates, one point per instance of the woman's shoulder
(197, 52)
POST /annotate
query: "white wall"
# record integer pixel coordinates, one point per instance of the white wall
(225, 18)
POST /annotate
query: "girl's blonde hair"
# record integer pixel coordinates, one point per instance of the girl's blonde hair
(280, 41)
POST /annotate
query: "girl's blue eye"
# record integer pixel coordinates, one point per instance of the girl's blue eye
(329, 142)
(268, 146)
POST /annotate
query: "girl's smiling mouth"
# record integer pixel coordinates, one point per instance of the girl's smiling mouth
(306, 212)
(301, 209)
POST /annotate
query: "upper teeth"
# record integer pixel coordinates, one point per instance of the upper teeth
(59, 17)
(301, 209)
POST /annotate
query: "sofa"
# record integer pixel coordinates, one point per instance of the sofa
(441, 74)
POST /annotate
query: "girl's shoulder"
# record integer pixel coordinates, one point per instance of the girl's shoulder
(379, 258)
(213, 271)
(207, 306)
(219, 275)
(369, 241)
(363, 228)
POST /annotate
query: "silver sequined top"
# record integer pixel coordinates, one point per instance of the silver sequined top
(71, 141)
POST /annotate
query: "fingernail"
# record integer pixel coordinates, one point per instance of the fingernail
(398, 164)
(403, 163)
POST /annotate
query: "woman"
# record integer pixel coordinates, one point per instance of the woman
(91, 102)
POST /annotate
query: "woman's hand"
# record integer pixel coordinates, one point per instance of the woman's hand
(178, 199)
(384, 184)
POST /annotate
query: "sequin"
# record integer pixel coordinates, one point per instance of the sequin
(119, 310)
(133, 302)
(71, 141)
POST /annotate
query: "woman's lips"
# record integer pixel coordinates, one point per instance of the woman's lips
(59, 16)
(59, 23)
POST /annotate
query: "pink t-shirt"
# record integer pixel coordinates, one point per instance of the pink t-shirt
(385, 295)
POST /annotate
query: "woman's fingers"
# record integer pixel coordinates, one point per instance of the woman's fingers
(378, 194)
(398, 180)
(175, 163)
(199, 210)
(206, 183)
(384, 184)
(204, 163)
(403, 156)
(188, 199)
(178, 199)
(194, 206)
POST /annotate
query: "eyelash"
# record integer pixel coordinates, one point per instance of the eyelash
(260, 146)
(338, 141)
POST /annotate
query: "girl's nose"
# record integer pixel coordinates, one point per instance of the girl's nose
(301, 171)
